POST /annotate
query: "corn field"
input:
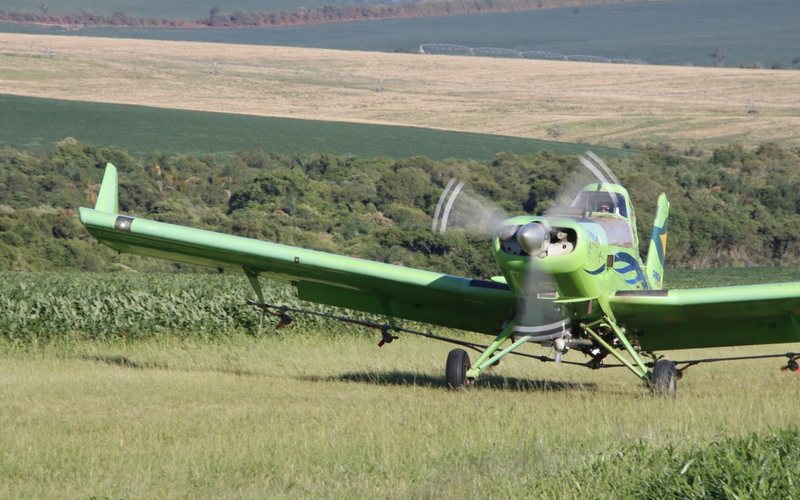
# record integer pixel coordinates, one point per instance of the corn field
(110, 306)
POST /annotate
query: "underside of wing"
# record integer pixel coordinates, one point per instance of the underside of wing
(358, 284)
(711, 317)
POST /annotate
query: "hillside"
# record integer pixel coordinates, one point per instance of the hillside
(614, 105)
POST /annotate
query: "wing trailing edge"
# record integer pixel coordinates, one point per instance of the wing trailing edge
(337, 280)
(711, 317)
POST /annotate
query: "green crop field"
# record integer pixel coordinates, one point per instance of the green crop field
(45, 307)
(677, 32)
(172, 410)
(38, 124)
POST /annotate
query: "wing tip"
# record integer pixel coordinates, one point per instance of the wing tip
(107, 198)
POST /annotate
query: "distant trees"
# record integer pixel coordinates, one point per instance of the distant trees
(84, 18)
(734, 206)
(718, 56)
(335, 12)
(385, 10)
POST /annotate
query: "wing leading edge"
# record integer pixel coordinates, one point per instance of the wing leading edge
(358, 284)
(711, 317)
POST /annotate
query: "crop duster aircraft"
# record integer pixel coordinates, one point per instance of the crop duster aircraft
(571, 280)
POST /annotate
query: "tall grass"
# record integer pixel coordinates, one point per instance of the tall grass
(752, 466)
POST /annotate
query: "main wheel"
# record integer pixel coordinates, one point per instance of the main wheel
(456, 369)
(665, 378)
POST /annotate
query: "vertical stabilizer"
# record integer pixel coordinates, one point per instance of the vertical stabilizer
(107, 200)
(654, 268)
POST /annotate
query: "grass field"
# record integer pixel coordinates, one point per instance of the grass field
(319, 410)
(39, 124)
(677, 32)
(309, 415)
(572, 102)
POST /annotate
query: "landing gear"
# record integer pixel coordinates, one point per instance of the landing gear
(664, 381)
(456, 369)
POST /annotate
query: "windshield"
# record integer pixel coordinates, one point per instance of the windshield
(600, 201)
(618, 231)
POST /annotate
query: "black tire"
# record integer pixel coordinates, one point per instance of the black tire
(664, 382)
(456, 369)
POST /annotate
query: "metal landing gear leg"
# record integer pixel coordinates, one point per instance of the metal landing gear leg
(662, 380)
(459, 372)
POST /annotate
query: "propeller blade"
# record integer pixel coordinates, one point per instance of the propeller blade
(594, 171)
(449, 206)
(603, 166)
(461, 207)
(439, 204)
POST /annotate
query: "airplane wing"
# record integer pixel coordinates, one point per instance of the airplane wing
(363, 285)
(710, 317)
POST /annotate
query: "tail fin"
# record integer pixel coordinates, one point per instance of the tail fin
(658, 245)
(107, 200)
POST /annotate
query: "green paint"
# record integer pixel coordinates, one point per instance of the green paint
(480, 363)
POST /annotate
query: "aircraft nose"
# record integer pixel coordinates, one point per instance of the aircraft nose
(534, 237)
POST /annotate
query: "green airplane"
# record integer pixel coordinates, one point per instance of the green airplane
(571, 280)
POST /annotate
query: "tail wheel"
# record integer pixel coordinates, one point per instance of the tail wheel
(664, 381)
(456, 369)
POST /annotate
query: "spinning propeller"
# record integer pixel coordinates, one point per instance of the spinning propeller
(461, 207)
(535, 239)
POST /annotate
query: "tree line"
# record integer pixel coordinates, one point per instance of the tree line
(362, 11)
(85, 18)
(734, 206)
(333, 13)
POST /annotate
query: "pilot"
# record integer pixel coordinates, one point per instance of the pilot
(604, 208)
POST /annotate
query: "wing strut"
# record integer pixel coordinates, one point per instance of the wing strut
(252, 277)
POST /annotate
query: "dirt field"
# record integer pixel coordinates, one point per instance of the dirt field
(597, 103)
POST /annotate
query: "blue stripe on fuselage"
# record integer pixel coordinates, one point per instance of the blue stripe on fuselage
(632, 266)
(597, 271)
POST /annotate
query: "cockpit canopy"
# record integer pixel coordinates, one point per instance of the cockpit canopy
(605, 205)
(601, 202)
